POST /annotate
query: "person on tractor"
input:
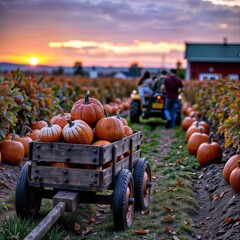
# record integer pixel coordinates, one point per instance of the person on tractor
(145, 85)
(159, 81)
(172, 86)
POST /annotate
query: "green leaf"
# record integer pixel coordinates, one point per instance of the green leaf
(3, 106)
(10, 117)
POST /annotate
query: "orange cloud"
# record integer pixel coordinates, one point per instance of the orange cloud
(137, 47)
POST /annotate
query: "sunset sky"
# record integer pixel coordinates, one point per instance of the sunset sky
(112, 32)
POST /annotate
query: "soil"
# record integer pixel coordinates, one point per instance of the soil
(219, 205)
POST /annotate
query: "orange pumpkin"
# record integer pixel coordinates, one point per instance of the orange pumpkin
(127, 130)
(25, 141)
(108, 108)
(60, 164)
(12, 151)
(187, 122)
(9, 136)
(0, 157)
(33, 134)
(60, 119)
(124, 121)
(234, 178)
(209, 152)
(192, 129)
(38, 125)
(203, 124)
(101, 143)
(51, 133)
(230, 165)
(195, 140)
(78, 131)
(90, 110)
(110, 129)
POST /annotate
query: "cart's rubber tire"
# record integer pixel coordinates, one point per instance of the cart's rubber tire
(123, 200)
(134, 112)
(142, 184)
(28, 199)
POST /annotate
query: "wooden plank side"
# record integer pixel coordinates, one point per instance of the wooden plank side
(65, 152)
(70, 177)
(123, 146)
(123, 164)
(79, 153)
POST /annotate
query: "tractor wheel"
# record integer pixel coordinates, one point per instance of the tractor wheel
(134, 112)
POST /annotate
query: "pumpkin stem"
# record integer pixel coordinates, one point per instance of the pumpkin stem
(71, 124)
(13, 135)
(106, 113)
(196, 117)
(210, 137)
(60, 110)
(49, 124)
(118, 114)
(23, 131)
(28, 129)
(201, 130)
(86, 101)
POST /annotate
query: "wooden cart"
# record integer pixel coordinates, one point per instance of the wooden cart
(87, 171)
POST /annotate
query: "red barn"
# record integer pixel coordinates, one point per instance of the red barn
(212, 61)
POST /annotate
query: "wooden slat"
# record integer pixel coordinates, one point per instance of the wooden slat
(123, 164)
(65, 152)
(43, 176)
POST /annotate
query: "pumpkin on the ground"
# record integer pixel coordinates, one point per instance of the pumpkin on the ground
(234, 178)
(25, 140)
(192, 129)
(195, 140)
(203, 124)
(187, 122)
(12, 151)
(209, 152)
(230, 165)
(51, 133)
(90, 110)
(61, 119)
(78, 131)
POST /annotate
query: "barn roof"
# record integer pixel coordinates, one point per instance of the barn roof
(212, 52)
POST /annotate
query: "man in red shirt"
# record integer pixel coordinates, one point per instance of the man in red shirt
(172, 86)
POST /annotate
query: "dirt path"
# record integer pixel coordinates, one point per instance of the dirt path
(219, 206)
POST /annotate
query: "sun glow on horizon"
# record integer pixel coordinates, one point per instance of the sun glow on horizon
(33, 61)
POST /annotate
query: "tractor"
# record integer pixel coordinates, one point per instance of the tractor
(154, 107)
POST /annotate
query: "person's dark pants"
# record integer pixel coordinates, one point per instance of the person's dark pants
(170, 110)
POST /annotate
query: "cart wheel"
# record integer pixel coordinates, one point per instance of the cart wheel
(123, 200)
(28, 199)
(142, 184)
